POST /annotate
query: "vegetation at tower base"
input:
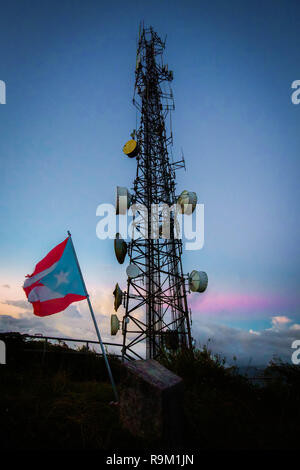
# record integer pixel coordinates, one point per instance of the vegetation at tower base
(60, 400)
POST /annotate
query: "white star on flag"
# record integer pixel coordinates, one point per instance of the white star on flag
(61, 278)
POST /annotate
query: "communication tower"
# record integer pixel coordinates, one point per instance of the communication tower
(155, 301)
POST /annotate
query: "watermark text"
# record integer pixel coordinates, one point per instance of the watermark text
(296, 354)
(2, 92)
(160, 222)
(2, 352)
(295, 97)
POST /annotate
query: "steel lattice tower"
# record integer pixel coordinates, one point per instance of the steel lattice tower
(159, 291)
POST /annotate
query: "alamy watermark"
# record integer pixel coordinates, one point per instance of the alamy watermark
(160, 222)
(296, 354)
(295, 96)
(2, 92)
(2, 352)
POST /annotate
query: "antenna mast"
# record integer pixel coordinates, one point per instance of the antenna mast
(156, 308)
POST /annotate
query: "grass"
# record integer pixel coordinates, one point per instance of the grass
(61, 400)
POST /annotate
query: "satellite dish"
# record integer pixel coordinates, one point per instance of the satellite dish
(123, 200)
(120, 248)
(114, 324)
(187, 202)
(131, 148)
(198, 281)
(118, 297)
(132, 271)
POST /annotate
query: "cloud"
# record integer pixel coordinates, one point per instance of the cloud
(257, 347)
(280, 320)
(252, 332)
(72, 312)
(237, 303)
(74, 322)
(31, 325)
(18, 303)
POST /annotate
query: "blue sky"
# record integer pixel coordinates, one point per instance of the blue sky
(69, 72)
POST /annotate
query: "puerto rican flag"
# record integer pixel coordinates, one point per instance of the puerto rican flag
(56, 281)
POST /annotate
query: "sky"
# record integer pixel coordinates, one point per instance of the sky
(69, 73)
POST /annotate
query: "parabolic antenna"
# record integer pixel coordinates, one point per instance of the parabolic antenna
(120, 248)
(198, 281)
(123, 200)
(118, 297)
(132, 271)
(187, 202)
(131, 148)
(114, 324)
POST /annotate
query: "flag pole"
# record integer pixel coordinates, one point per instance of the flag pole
(95, 324)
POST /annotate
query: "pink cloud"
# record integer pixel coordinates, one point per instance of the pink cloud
(280, 320)
(212, 302)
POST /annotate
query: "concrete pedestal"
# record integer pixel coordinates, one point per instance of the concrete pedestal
(151, 402)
